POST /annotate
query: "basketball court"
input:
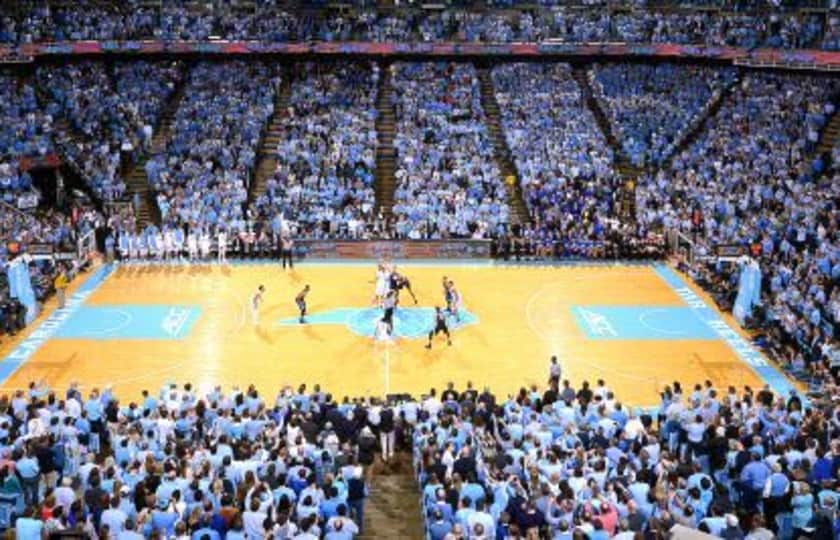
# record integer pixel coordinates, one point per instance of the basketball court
(139, 326)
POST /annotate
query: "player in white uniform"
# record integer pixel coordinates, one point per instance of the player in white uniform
(142, 246)
(160, 246)
(204, 244)
(222, 245)
(382, 330)
(131, 245)
(256, 301)
(178, 238)
(382, 282)
(169, 243)
(192, 245)
(453, 299)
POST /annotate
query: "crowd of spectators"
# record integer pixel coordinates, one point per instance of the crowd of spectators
(25, 132)
(83, 20)
(568, 460)
(326, 156)
(448, 182)
(178, 463)
(20, 229)
(202, 177)
(572, 461)
(748, 181)
(111, 115)
(26, 137)
(96, 21)
(831, 35)
(652, 106)
(563, 161)
(20, 232)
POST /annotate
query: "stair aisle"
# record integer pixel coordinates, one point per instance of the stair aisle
(385, 183)
(699, 125)
(392, 509)
(136, 181)
(62, 126)
(830, 136)
(628, 172)
(267, 152)
(518, 209)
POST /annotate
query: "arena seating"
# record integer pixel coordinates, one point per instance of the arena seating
(86, 471)
(111, 121)
(726, 157)
(25, 132)
(562, 158)
(546, 462)
(747, 181)
(202, 178)
(574, 462)
(326, 157)
(448, 182)
(651, 107)
(97, 21)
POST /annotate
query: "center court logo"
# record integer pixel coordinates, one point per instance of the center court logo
(174, 320)
(597, 323)
(409, 322)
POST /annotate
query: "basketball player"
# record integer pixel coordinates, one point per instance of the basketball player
(382, 279)
(126, 252)
(204, 245)
(400, 282)
(142, 246)
(169, 242)
(222, 245)
(381, 331)
(160, 246)
(453, 300)
(179, 243)
(256, 301)
(388, 305)
(300, 300)
(192, 245)
(446, 294)
(440, 326)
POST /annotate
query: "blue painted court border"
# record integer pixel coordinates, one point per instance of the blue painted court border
(48, 328)
(742, 348)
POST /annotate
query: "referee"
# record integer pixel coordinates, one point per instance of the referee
(286, 247)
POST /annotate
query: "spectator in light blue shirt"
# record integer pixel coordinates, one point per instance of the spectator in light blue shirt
(28, 527)
(753, 479)
(30, 476)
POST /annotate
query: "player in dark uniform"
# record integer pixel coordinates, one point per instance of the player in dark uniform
(300, 300)
(440, 326)
(400, 282)
(446, 290)
(388, 305)
(448, 297)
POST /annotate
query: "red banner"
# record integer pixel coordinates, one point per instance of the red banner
(50, 161)
(442, 249)
(815, 59)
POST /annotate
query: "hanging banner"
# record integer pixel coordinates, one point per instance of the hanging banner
(749, 291)
(20, 287)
